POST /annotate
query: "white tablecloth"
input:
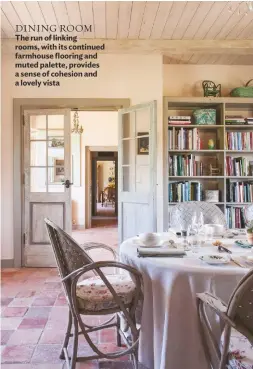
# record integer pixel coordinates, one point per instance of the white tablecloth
(170, 337)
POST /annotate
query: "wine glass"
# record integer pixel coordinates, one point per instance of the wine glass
(197, 221)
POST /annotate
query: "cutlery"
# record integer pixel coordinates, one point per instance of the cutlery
(222, 248)
(237, 263)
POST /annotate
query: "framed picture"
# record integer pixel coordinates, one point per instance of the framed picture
(143, 144)
(59, 167)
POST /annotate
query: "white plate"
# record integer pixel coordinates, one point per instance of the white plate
(215, 259)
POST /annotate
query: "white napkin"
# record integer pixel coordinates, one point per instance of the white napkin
(142, 251)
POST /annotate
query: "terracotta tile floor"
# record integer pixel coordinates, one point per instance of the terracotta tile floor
(34, 315)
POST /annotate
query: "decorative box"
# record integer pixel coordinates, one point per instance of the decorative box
(205, 116)
(211, 195)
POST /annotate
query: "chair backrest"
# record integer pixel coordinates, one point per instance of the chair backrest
(182, 213)
(249, 212)
(240, 306)
(68, 254)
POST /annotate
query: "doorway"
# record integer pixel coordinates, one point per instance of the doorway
(104, 187)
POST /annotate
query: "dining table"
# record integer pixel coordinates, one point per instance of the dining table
(170, 335)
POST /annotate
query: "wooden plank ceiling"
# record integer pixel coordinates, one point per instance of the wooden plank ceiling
(145, 23)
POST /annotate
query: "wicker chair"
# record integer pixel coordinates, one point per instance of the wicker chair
(100, 295)
(181, 214)
(235, 348)
(249, 212)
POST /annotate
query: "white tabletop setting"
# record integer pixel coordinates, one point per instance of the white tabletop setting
(174, 272)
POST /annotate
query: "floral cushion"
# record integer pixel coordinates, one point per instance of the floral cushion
(240, 351)
(93, 295)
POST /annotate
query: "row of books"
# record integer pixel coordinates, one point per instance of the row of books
(185, 165)
(239, 191)
(240, 166)
(235, 217)
(239, 141)
(184, 139)
(185, 191)
(179, 120)
(238, 120)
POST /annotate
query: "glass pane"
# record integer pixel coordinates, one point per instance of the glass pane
(128, 125)
(127, 148)
(38, 125)
(56, 123)
(56, 173)
(55, 153)
(38, 153)
(55, 180)
(38, 180)
(142, 121)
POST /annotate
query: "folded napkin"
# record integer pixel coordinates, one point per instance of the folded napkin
(144, 252)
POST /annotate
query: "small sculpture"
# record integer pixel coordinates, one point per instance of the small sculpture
(214, 171)
(211, 89)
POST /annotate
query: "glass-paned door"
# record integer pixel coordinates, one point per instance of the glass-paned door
(47, 186)
(137, 170)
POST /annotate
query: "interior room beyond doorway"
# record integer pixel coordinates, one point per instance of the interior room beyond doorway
(94, 190)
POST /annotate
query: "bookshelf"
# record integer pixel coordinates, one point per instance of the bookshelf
(233, 145)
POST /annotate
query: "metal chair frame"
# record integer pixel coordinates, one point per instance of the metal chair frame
(73, 262)
(236, 314)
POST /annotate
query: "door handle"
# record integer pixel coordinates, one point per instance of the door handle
(67, 183)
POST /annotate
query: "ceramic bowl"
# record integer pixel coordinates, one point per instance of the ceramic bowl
(149, 239)
(218, 229)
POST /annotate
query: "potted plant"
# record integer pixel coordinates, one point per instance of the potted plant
(250, 231)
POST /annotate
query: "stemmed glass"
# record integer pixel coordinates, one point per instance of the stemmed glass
(195, 229)
(197, 221)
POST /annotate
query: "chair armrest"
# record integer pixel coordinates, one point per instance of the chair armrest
(96, 266)
(215, 304)
(92, 245)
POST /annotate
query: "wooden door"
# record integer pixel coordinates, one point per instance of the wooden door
(47, 187)
(137, 170)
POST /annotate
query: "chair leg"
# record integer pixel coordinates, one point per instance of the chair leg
(67, 336)
(119, 342)
(75, 345)
(134, 355)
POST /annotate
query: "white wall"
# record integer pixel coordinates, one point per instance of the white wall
(99, 129)
(138, 77)
(186, 80)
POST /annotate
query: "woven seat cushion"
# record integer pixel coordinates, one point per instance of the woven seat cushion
(93, 295)
(240, 354)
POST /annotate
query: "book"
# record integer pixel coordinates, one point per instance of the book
(235, 217)
(239, 141)
(185, 191)
(239, 191)
(237, 166)
(184, 139)
(185, 165)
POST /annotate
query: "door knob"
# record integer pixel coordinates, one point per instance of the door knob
(67, 183)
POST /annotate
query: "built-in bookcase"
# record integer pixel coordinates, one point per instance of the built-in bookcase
(232, 144)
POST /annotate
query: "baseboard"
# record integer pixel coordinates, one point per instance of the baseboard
(7, 263)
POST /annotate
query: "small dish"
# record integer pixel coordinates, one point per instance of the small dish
(244, 244)
(215, 259)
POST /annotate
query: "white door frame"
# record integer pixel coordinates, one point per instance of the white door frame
(19, 105)
(88, 179)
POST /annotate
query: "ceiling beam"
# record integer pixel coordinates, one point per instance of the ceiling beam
(174, 47)
(168, 47)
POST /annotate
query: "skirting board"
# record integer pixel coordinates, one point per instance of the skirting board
(7, 263)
